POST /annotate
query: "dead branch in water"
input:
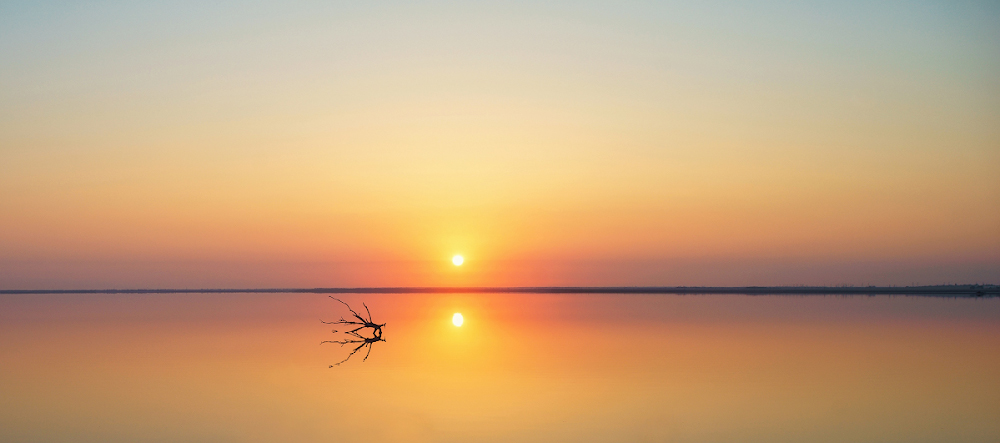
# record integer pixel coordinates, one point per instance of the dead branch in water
(355, 337)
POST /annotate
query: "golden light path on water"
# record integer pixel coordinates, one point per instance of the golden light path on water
(535, 368)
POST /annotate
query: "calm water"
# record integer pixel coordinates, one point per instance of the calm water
(215, 367)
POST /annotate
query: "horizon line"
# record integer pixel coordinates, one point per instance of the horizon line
(957, 290)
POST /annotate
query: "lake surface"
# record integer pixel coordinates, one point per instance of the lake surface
(522, 367)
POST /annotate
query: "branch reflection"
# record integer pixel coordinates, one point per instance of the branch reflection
(355, 336)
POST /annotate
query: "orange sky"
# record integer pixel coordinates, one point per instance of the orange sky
(549, 145)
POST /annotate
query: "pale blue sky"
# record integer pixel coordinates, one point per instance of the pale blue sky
(618, 132)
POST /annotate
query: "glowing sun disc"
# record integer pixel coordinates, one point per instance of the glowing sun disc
(457, 319)
(457, 260)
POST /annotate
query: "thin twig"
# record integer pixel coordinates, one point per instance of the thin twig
(359, 339)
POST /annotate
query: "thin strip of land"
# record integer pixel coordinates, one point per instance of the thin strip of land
(941, 290)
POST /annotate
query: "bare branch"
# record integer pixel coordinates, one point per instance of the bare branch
(354, 336)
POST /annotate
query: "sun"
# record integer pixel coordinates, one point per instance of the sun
(457, 319)
(457, 260)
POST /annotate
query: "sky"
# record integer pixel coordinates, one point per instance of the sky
(274, 144)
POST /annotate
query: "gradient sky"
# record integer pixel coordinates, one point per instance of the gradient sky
(578, 143)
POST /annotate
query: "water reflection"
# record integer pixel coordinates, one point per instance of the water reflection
(355, 336)
(585, 368)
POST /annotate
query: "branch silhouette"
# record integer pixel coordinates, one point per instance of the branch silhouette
(354, 337)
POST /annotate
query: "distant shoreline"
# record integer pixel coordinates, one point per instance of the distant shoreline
(942, 290)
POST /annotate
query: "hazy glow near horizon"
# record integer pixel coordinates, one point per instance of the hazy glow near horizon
(583, 143)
